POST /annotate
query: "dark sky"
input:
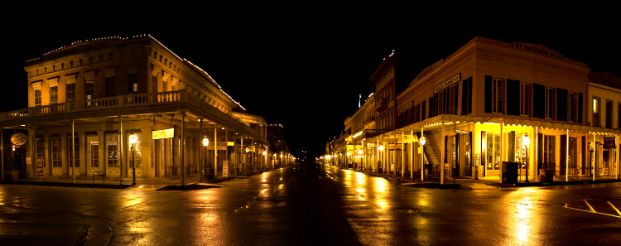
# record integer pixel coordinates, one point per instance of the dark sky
(305, 68)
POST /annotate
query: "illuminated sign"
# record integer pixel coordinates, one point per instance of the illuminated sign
(19, 138)
(230, 143)
(166, 133)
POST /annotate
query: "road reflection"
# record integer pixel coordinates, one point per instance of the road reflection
(524, 218)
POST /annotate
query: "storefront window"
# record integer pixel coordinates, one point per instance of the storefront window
(112, 149)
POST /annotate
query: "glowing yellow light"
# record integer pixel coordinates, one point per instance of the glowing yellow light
(525, 140)
(380, 148)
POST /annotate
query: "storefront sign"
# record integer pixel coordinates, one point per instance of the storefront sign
(609, 143)
(447, 83)
(166, 133)
(230, 143)
(18, 139)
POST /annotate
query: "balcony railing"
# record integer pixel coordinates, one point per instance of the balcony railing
(125, 101)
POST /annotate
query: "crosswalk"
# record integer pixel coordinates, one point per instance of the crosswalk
(601, 207)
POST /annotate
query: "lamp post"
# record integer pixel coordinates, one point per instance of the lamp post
(133, 139)
(205, 144)
(422, 142)
(526, 143)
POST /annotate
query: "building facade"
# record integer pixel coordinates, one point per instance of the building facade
(491, 104)
(116, 106)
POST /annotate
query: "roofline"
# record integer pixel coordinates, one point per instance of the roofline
(80, 43)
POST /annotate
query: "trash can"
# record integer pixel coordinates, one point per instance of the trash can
(547, 176)
(509, 172)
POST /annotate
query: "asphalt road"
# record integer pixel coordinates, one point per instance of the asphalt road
(311, 205)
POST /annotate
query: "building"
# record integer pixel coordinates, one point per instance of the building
(493, 103)
(114, 106)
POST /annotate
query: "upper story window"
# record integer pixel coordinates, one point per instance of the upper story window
(109, 86)
(525, 107)
(596, 108)
(498, 96)
(132, 83)
(70, 92)
(89, 90)
(494, 95)
(608, 114)
(551, 104)
(53, 94)
(37, 97)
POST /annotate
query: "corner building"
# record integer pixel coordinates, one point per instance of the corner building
(97, 107)
(492, 103)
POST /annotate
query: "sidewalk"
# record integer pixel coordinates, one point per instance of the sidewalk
(117, 183)
(467, 183)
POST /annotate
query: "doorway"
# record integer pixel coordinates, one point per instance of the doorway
(92, 155)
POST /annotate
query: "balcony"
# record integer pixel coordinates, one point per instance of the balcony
(128, 101)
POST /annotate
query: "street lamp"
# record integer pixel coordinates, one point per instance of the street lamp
(526, 143)
(205, 144)
(133, 139)
(422, 141)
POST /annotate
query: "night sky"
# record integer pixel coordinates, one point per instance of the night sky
(306, 69)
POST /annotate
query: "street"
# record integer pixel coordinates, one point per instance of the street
(311, 205)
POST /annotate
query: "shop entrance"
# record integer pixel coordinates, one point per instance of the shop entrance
(490, 150)
(92, 155)
(573, 145)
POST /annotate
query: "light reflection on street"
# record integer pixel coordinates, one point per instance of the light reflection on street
(524, 219)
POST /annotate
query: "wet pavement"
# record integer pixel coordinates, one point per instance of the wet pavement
(311, 205)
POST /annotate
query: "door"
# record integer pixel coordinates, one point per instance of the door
(465, 153)
(92, 155)
(492, 163)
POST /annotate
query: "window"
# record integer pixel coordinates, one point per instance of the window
(466, 96)
(548, 151)
(70, 92)
(56, 161)
(571, 108)
(112, 154)
(512, 97)
(551, 104)
(37, 97)
(493, 151)
(136, 151)
(561, 102)
(53, 94)
(619, 116)
(40, 152)
(498, 96)
(608, 114)
(546, 155)
(109, 86)
(494, 95)
(539, 99)
(77, 150)
(92, 156)
(89, 90)
(132, 83)
(596, 109)
(525, 103)
(580, 106)
(164, 86)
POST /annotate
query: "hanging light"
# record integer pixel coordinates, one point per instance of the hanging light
(422, 140)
